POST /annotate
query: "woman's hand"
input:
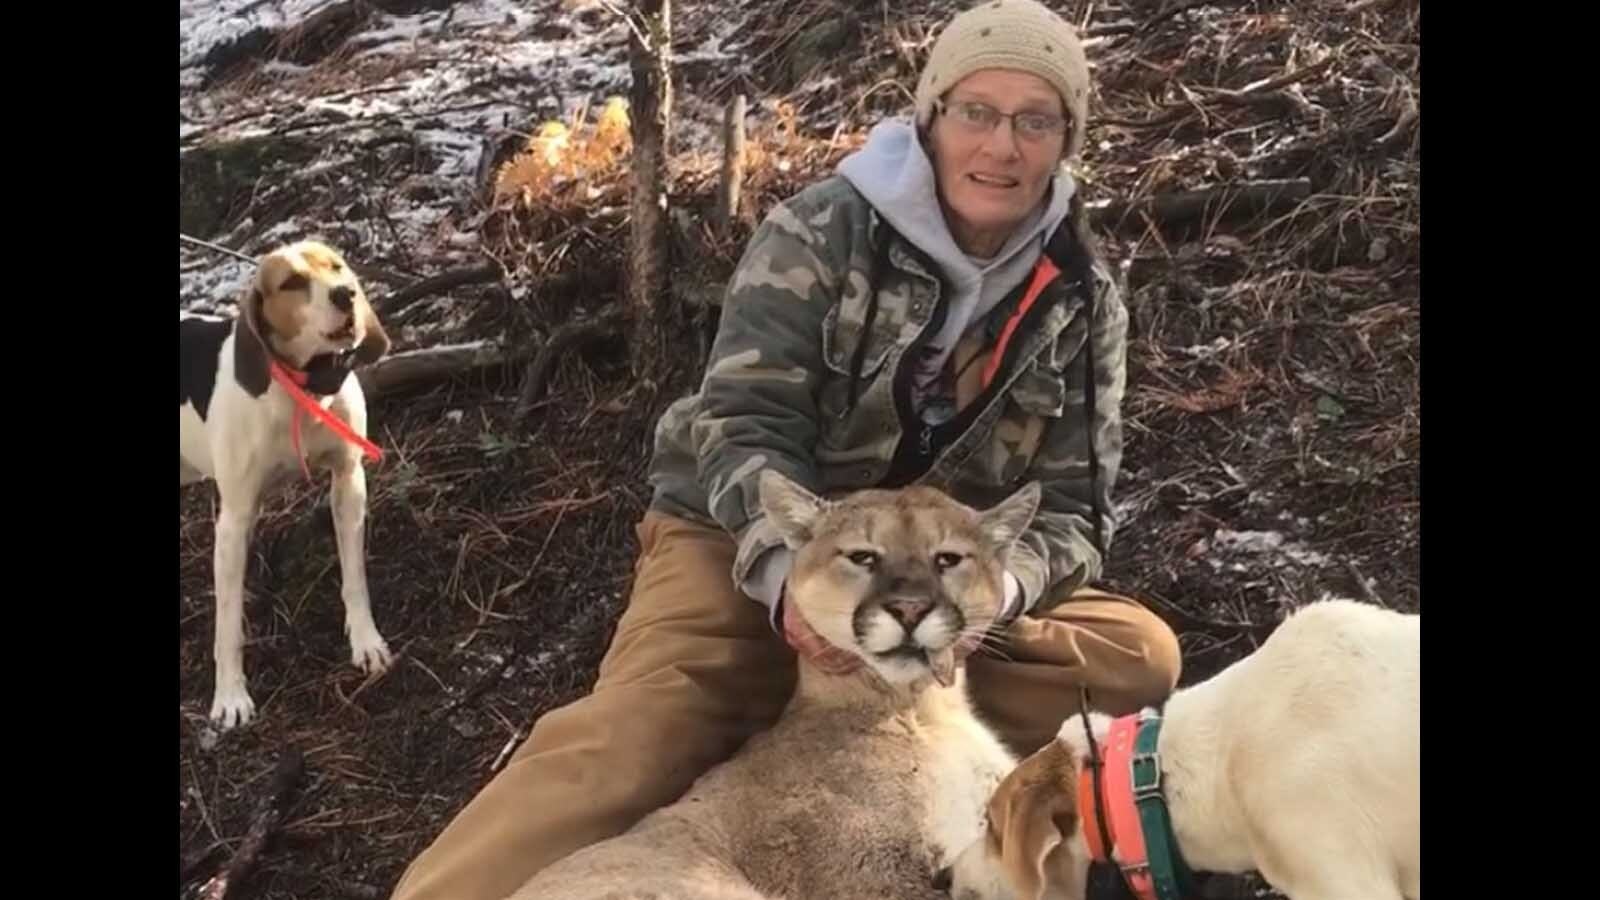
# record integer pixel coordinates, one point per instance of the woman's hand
(814, 647)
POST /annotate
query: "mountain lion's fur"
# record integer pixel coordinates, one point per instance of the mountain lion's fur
(870, 782)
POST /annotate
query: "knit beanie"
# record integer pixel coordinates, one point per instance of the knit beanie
(1010, 34)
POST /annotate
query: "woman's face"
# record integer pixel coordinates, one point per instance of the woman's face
(993, 173)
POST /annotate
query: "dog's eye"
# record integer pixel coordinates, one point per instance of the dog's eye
(944, 561)
(864, 558)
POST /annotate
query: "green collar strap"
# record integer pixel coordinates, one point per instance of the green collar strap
(1171, 876)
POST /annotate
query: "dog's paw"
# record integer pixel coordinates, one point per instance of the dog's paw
(369, 652)
(232, 707)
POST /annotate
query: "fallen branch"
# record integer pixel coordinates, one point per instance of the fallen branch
(428, 365)
(1184, 207)
(268, 814)
(449, 279)
(601, 324)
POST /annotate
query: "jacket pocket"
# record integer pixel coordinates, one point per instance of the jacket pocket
(842, 338)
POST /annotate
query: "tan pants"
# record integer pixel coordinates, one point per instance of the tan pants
(695, 669)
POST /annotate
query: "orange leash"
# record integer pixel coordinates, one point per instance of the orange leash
(291, 380)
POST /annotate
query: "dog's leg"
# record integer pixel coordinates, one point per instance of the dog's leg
(368, 650)
(1311, 855)
(231, 704)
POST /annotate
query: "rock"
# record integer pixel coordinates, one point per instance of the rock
(213, 177)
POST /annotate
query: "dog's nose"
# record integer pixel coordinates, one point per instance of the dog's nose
(942, 879)
(343, 298)
(909, 612)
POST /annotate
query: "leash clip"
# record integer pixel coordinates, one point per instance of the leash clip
(1150, 786)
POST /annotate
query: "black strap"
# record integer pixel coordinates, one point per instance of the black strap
(1088, 412)
(1096, 769)
(1073, 254)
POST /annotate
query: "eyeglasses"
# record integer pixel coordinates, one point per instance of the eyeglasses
(981, 118)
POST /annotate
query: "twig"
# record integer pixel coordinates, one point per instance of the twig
(215, 247)
(602, 323)
(188, 868)
(353, 890)
(505, 752)
(732, 163)
(444, 281)
(1361, 583)
(1246, 93)
(291, 765)
(632, 26)
(1402, 129)
(365, 271)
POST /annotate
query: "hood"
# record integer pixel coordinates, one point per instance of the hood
(895, 175)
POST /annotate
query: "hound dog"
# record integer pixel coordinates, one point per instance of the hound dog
(1301, 761)
(304, 322)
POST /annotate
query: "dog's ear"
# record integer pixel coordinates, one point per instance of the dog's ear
(792, 509)
(1004, 522)
(249, 344)
(1032, 814)
(277, 273)
(374, 340)
(283, 288)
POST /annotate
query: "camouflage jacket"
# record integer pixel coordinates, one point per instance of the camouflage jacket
(798, 381)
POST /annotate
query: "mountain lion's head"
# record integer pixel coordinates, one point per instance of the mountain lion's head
(896, 576)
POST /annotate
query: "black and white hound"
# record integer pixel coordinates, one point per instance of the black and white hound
(267, 395)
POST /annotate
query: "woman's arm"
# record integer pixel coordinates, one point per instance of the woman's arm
(758, 397)
(1058, 553)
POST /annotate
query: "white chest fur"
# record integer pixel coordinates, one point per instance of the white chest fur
(963, 764)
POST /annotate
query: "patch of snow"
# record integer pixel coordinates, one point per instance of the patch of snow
(210, 285)
(1206, 351)
(453, 82)
(1268, 548)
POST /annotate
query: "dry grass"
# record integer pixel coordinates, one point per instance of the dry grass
(568, 169)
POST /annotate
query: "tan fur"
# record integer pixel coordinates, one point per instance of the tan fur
(287, 305)
(1030, 811)
(870, 781)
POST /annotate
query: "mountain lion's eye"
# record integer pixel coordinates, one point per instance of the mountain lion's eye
(946, 561)
(864, 558)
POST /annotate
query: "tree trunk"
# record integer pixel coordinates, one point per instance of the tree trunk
(651, 102)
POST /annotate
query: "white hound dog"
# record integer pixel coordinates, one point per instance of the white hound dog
(1302, 761)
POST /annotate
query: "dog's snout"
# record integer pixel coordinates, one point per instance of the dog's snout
(942, 879)
(343, 298)
(909, 611)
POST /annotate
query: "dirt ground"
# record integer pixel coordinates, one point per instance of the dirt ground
(1272, 413)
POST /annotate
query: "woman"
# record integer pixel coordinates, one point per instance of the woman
(930, 312)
